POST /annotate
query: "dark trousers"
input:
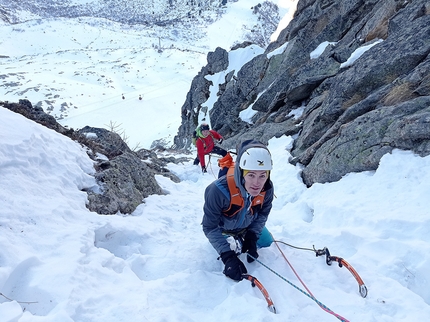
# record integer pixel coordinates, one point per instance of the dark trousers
(219, 151)
(216, 150)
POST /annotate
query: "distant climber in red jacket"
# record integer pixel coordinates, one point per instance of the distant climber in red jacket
(205, 143)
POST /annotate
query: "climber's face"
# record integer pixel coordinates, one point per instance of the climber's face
(254, 181)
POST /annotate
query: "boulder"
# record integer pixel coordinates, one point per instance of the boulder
(125, 181)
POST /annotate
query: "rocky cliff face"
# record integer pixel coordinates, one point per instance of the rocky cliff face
(353, 113)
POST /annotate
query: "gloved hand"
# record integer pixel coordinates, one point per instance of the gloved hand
(234, 268)
(220, 140)
(250, 245)
(204, 169)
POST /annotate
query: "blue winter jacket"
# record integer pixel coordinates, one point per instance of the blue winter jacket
(217, 200)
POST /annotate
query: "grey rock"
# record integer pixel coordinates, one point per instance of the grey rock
(197, 95)
(360, 144)
(105, 142)
(353, 114)
(125, 181)
(217, 60)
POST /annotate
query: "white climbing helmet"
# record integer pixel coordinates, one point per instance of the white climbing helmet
(256, 159)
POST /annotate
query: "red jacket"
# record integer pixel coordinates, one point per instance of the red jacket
(206, 145)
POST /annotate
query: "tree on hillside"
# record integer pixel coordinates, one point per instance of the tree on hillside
(267, 21)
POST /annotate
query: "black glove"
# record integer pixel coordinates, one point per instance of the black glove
(220, 140)
(234, 268)
(204, 169)
(196, 161)
(250, 245)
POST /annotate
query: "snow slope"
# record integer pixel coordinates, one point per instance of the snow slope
(60, 262)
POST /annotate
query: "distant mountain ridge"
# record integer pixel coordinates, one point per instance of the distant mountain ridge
(148, 12)
(174, 14)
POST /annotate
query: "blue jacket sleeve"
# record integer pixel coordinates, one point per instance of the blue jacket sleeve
(215, 202)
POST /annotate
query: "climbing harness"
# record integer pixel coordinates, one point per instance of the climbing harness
(236, 200)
